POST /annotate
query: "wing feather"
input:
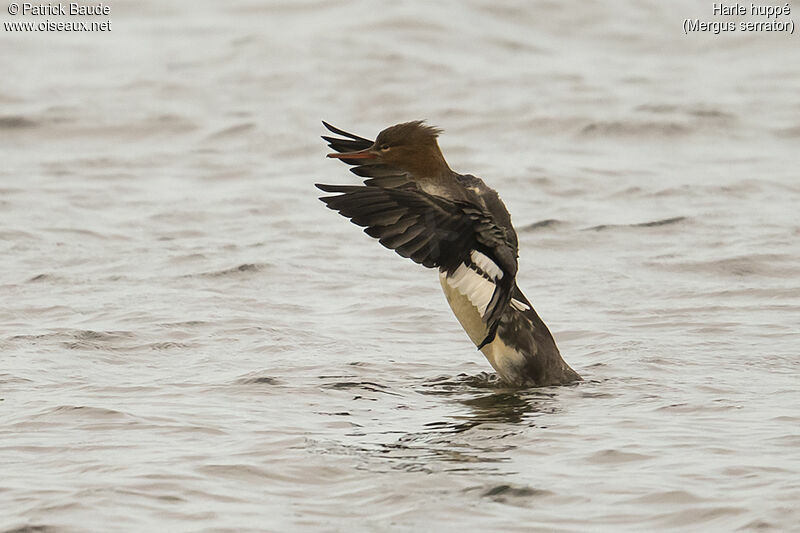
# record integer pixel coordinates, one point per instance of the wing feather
(437, 233)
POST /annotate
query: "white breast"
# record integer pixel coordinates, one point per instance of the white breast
(504, 359)
(465, 310)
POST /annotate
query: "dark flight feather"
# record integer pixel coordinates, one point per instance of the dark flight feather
(429, 230)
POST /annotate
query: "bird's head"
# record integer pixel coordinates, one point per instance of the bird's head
(410, 146)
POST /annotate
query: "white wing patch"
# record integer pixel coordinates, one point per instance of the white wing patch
(486, 264)
(519, 306)
(475, 287)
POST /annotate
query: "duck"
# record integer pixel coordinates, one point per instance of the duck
(415, 204)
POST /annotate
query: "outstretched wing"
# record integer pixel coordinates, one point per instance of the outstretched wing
(377, 174)
(454, 237)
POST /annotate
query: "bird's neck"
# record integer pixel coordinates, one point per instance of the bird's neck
(431, 170)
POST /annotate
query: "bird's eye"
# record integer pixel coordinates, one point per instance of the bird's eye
(384, 147)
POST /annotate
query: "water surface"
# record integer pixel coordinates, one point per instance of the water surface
(191, 342)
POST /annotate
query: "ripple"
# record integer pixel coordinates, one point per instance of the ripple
(258, 380)
(237, 130)
(368, 386)
(612, 456)
(16, 123)
(646, 129)
(651, 224)
(32, 528)
(461, 383)
(542, 224)
(518, 495)
(243, 269)
(670, 497)
(740, 266)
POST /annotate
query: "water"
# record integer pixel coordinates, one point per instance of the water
(191, 342)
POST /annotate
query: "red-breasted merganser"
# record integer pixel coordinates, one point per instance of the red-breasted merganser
(415, 205)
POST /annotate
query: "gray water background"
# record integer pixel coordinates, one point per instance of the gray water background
(190, 341)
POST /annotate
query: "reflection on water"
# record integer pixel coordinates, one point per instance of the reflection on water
(477, 434)
(503, 404)
(508, 407)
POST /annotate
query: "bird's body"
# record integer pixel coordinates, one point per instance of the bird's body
(416, 205)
